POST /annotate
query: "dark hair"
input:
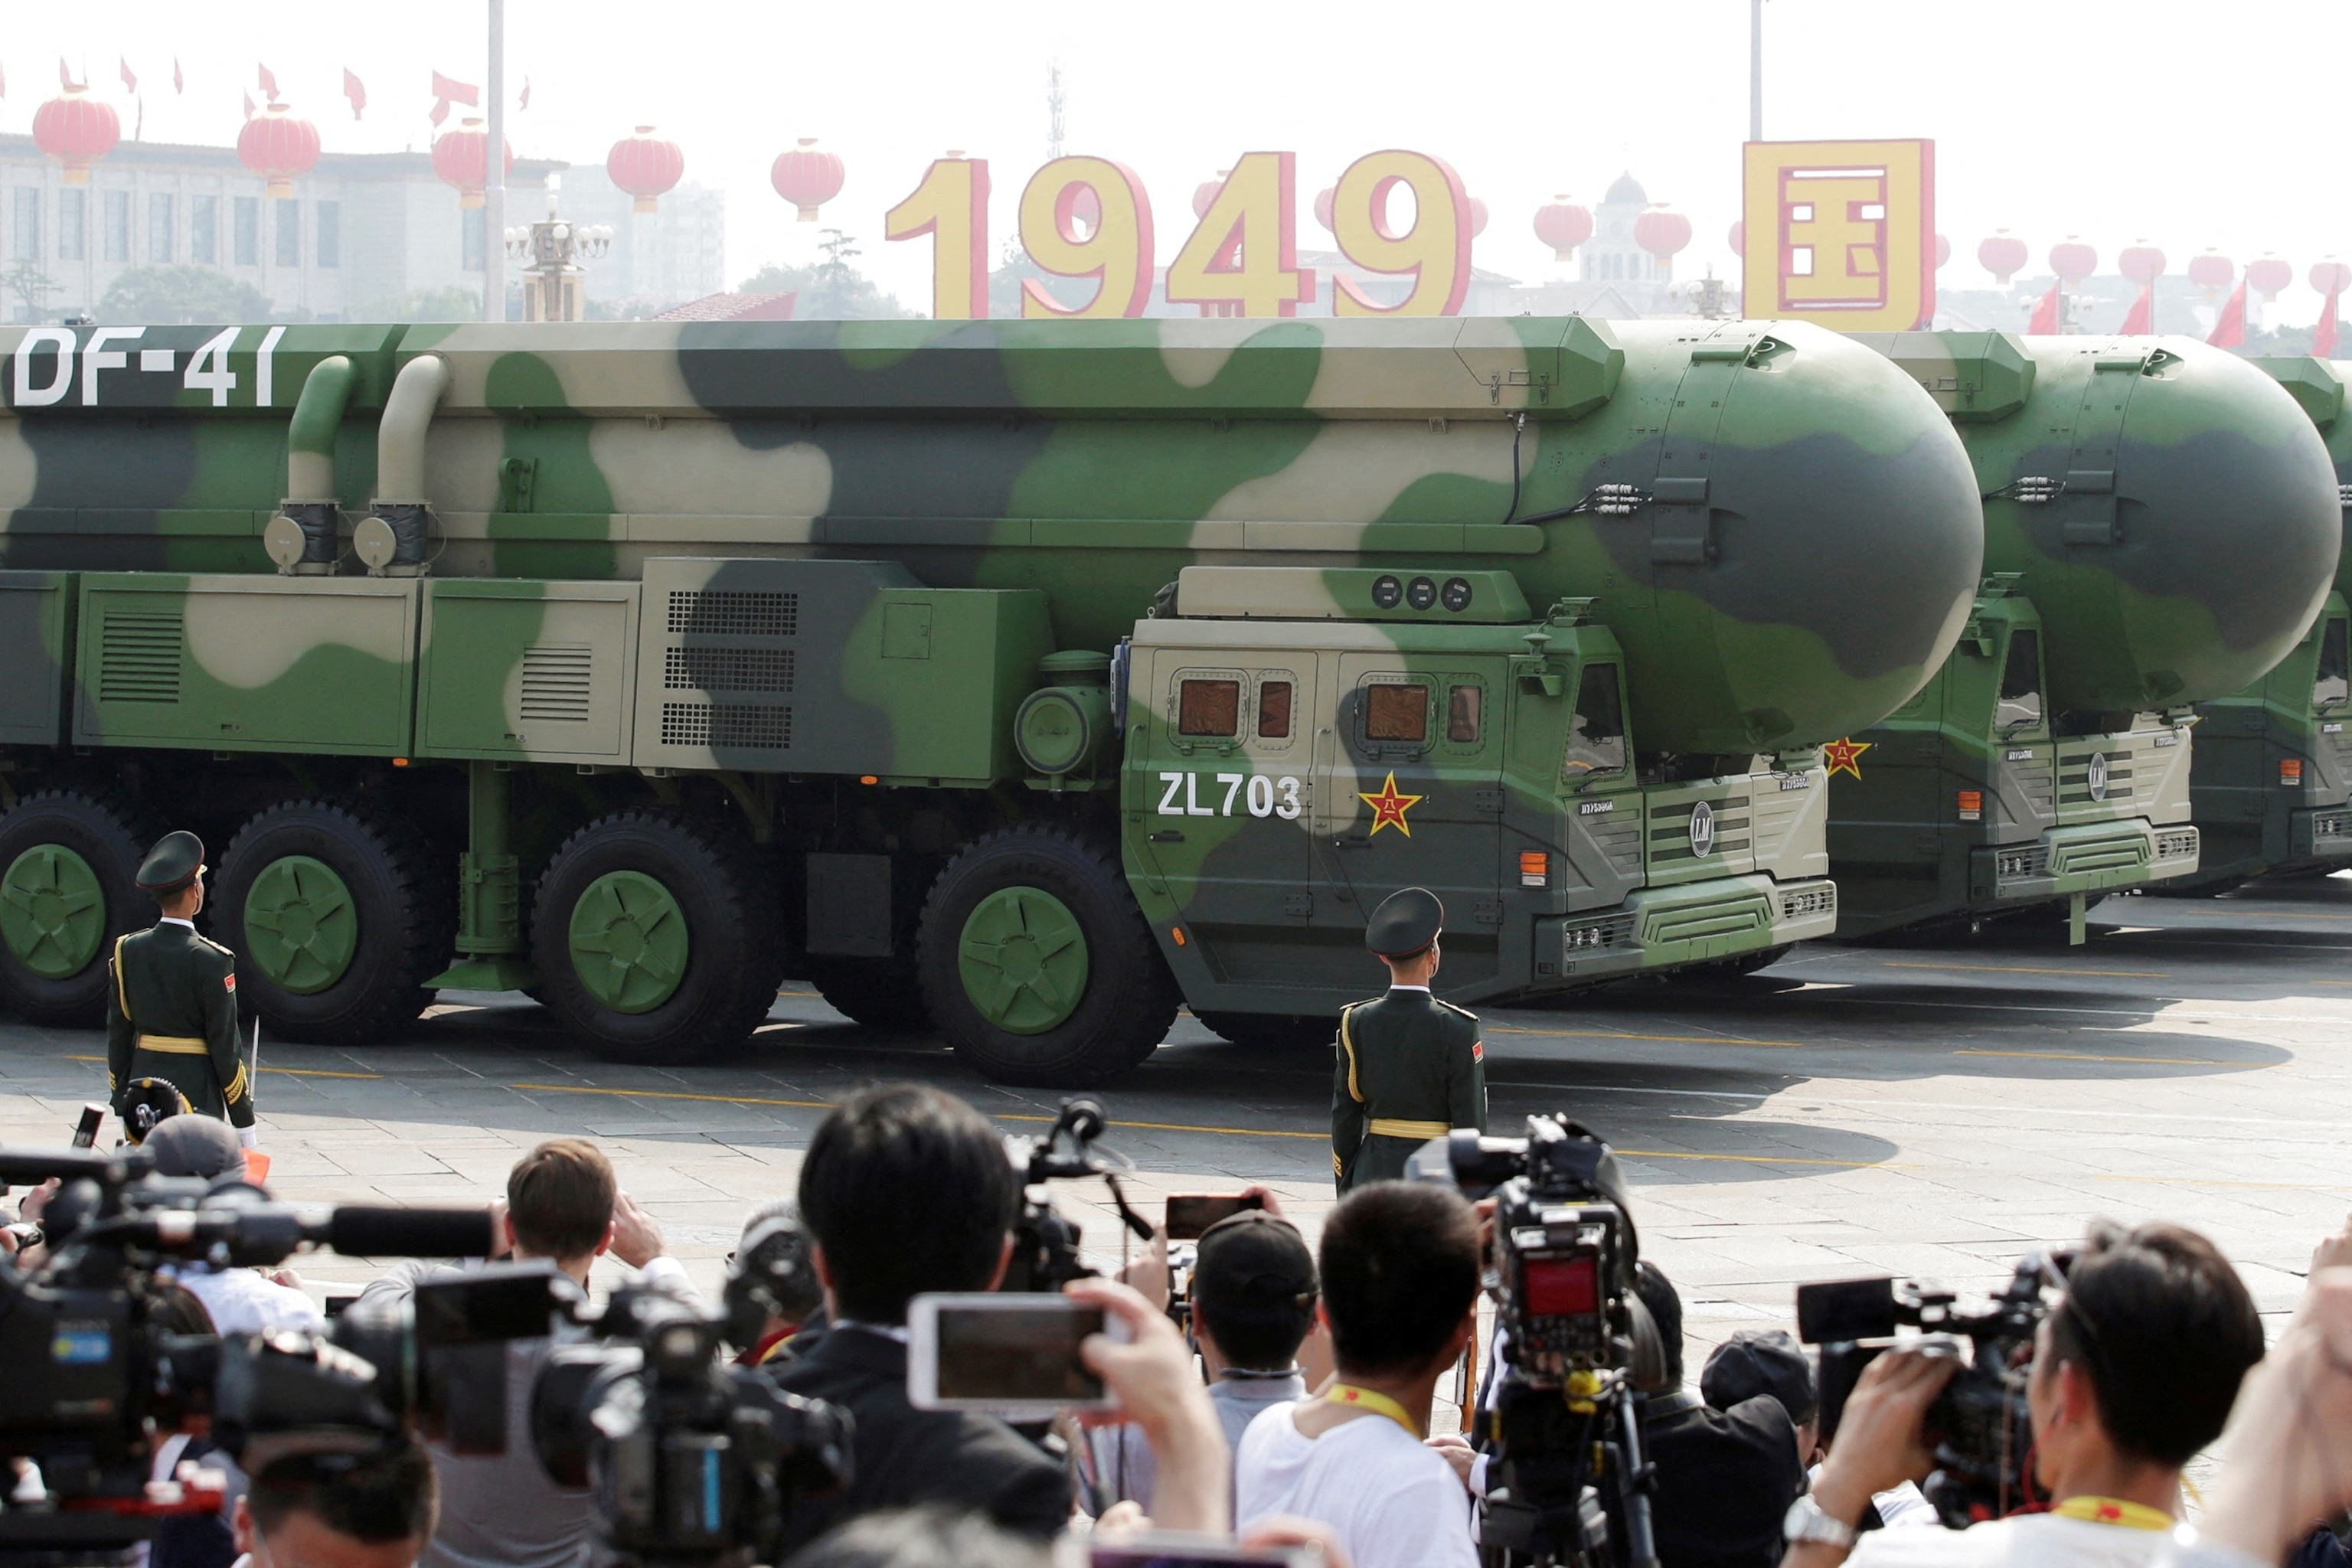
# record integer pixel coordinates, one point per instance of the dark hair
(559, 1197)
(1399, 1265)
(179, 1310)
(928, 1537)
(384, 1496)
(2165, 1329)
(1657, 1293)
(908, 1189)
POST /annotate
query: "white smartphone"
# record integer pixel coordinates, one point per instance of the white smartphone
(1014, 1354)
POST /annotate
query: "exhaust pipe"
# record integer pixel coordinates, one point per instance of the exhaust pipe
(301, 538)
(393, 539)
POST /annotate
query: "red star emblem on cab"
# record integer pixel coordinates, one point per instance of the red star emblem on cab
(1844, 756)
(1389, 806)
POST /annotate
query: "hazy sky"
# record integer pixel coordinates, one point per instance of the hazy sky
(2191, 125)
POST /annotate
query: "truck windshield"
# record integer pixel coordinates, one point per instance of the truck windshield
(2020, 683)
(1596, 735)
(2332, 685)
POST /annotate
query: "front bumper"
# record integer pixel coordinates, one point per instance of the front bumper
(2320, 833)
(2090, 857)
(1699, 922)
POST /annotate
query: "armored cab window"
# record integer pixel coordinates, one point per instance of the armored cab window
(1209, 708)
(1596, 734)
(1465, 711)
(2332, 685)
(1397, 711)
(1274, 709)
(2020, 683)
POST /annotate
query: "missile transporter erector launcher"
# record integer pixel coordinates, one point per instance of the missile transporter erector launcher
(2160, 529)
(1034, 677)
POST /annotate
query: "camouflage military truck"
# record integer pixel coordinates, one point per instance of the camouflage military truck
(2160, 527)
(2271, 787)
(1030, 676)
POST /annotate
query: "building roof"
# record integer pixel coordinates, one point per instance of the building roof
(1626, 192)
(734, 307)
(409, 165)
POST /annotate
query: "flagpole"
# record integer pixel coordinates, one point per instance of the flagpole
(494, 175)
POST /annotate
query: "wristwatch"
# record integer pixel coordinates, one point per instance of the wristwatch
(1806, 1525)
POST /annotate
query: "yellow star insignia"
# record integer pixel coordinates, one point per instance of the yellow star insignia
(1844, 756)
(1389, 806)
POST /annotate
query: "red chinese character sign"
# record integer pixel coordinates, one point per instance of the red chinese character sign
(1843, 233)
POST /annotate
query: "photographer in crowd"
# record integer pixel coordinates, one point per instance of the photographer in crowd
(2134, 1371)
(339, 1510)
(905, 1190)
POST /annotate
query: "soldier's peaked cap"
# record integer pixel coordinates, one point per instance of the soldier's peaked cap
(1406, 923)
(173, 864)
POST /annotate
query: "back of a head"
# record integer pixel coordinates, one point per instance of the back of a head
(920, 1538)
(193, 1145)
(2165, 1331)
(907, 1190)
(1767, 1361)
(1254, 1290)
(1657, 1293)
(382, 1496)
(560, 1198)
(1400, 1268)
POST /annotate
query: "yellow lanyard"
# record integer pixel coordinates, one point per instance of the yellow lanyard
(2113, 1510)
(1380, 1405)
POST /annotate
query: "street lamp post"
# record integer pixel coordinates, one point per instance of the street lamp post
(551, 250)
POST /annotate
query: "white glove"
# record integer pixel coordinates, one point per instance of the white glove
(250, 1137)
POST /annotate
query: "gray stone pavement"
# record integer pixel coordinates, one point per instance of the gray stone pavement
(1926, 1110)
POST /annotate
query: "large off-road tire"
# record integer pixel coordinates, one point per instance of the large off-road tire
(880, 993)
(1037, 965)
(338, 914)
(68, 860)
(656, 936)
(1273, 1031)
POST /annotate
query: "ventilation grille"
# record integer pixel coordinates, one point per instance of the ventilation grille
(727, 669)
(556, 682)
(138, 656)
(718, 725)
(715, 613)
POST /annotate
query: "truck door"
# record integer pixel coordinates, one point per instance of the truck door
(1230, 801)
(1596, 781)
(1414, 796)
(2026, 760)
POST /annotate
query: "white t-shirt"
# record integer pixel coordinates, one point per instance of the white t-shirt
(1394, 1503)
(2032, 1541)
(241, 1301)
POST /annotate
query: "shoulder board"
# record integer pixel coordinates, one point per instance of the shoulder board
(203, 941)
(1449, 1008)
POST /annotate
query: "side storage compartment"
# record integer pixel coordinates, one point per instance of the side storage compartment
(35, 627)
(531, 671)
(832, 667)
(246, 663)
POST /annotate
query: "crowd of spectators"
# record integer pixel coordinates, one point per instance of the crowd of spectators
(1293, 1407)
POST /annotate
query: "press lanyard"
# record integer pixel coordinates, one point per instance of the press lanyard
(2113, 1510)
(1381, 1404)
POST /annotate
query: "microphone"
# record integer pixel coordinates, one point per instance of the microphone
(376, 1231)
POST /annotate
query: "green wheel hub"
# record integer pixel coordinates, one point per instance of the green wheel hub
(52, 911)
(301, 925)
(1023, 957)
(629, 942)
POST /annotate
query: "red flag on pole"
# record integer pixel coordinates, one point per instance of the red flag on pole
(526, 93)
(2045, 315)
(2323, 341)
(4, 82)
(179, 83)
(130, 81)
(268, 83)
(2140, 320)
(249, 106)
(65, 77)
(451, 90)
(355, 91)
(2230, 331)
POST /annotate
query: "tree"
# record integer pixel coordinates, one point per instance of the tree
(166, 296)
(831, 290)
(31, 285)
(454, 302)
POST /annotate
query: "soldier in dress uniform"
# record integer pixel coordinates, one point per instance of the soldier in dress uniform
(1411, 1068)
(171, 1012)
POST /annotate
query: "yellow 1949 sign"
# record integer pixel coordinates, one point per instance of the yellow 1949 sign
(1843, 233)
(1091, 219)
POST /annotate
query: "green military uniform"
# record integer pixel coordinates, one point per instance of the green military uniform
(1410, 1068)
(171, 1010)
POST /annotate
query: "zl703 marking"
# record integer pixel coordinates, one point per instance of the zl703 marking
(1265, 796)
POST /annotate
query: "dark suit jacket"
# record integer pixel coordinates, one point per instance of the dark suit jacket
(1726, 1478)
(906, 1456)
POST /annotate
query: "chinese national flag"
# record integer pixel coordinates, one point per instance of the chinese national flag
(249, 106)
(2140, 320)
(355, 91)
(2322, 341)
(179, 83)
(526, 93)
(451, 90)
(269, 81)
(130, 81)
(65, 77)
(2230, 331)
(2045, 315)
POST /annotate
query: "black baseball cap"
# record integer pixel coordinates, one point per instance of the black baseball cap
(1253, 1262)
(1761, 1360)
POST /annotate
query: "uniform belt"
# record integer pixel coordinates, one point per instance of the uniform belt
(174, 1045)
(1390, 1127)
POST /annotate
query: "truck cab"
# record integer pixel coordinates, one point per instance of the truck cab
(1300, 744)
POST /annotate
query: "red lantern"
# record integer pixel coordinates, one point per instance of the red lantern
(1563, 226)
(1206, 192)
(1738, 237)
(2072, 261)
(462, 158)
(2269, 274)
(1661, 233)
(2330, 276)
(2003, 255)
(75, 130)
(808, 178)
(1943, 252)
(645, 166)
(279, 147)
(2142, 263)
(2211, 272)
(1323, 208)
(1477, 217)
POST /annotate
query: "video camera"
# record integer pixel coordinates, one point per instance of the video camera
(1568, 1483)
(1045, 1241)
(1980, 1425)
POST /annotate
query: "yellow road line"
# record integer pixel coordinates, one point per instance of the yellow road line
(300, 1072)
(2073, 1056)
(673, 1094)
(1672, 1039)
(2029, 969)
(2199, 1182)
